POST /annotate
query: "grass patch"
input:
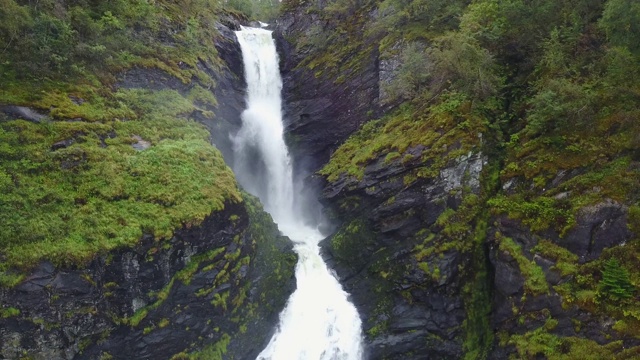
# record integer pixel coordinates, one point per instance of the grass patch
(566, 261)
(540, 342)
(535, 282)
(94, 192)
(437, 128)
(9, 312)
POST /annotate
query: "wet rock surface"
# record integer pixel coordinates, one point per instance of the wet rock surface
(22, 112)
(319, 111)
(408, 311)
(151, 302)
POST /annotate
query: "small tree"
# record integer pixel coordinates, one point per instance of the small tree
(621, 22)
(615, 282)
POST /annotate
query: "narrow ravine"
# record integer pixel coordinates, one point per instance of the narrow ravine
(318, 321)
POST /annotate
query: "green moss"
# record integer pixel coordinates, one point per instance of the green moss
(105, 356)
(148, 329)
(566, 261)
(535, 282)
(10, 279)
(378, 329)
(274, 263)
(96, 193)
(271, 258)
(183, 276)
(478, 337)
(99, 193)
(541, 342)
(347, 243)
(339, 48)
(436, 128)
(9, 312)
(391, 157)
(46, 324)
(634, 219)
(539, 214)
(220, 301)
(138, 316)
(213, 352)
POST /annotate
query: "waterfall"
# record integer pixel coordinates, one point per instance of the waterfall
(318, 322)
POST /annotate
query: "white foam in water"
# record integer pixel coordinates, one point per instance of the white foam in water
(318, 322)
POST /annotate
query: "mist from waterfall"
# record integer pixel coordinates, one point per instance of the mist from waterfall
(318, 322)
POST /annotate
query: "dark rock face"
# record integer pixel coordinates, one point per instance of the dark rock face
(319, 111)
(151, 302)
(230, 90)
(408, 313)
(516, 312)
(22, 112)
(600, 226)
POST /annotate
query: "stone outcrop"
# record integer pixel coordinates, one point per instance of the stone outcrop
(161, 298)
(22, 112)
(408, 310)
(516, 310)
(320, 111)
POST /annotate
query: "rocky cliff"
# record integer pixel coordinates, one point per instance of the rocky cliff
(198, 291)
(411, 283)
(321, 107)
(124, 233)
(486, 206)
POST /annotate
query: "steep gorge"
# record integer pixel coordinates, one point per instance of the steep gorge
(478, 160)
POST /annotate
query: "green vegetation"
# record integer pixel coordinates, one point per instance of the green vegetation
(615, 283)
(534, 279)
(541, 342)
(106, 164)
(339, 49)
(545, 90)
(183, 276)
(9, 312)
(262, 10)
(412, 125)
(566, 262)
(99, 193)
(56, 40)
(272, 263)
(478, 337)
(73, 184)
(215, 351)
(349, 240)
(275, 265)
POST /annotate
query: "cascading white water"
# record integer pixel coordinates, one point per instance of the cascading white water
(318, 321)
